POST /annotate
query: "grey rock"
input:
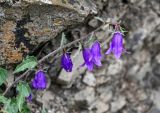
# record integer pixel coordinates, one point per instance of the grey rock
(85, 97)
(26, 24)
(93, 23)
(118, 104)
(155, 97)
(106, 96)
(89, 79)
(158, 58)
(115, 68)
(154, 110)
(100, 106)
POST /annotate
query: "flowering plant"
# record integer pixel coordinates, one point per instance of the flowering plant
(92, 57)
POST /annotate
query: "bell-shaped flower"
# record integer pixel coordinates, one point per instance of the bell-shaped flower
(66, 62)
(92, 56)
(116, 45)
(39, 81)
(87, 55)
(96, 52)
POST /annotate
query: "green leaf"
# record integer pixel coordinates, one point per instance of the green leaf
(23, 89)
(3, 99)
(28, 63)
(63, 40)
(44, 110)
(20, 101)
(12, 106)
(25, 109)
(123, 30)
(3, 75)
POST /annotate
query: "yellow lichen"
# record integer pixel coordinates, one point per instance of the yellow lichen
(9, 52)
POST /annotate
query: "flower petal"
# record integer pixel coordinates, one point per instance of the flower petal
(66, 62)
(39, 82)
(110, 49)
(96, 52)
(87, 56)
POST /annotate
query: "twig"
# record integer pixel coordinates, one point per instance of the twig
(50, 54)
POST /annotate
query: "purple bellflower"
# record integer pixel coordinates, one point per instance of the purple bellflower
(39, 81)
(92, 56)
(29, 98)
(116, 45)
(96, 52)
(66, 62)
(88, 56)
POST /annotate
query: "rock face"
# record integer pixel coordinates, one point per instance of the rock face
(26, 24)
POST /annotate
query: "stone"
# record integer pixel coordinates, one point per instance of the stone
(84, 97)
(158, 58)
(26, 24)
(106, 96)
(93, 23)
(118, 104)
(100, 106)
(89, 79)
(155, 97)
(115, 68)
(45, 98)
(154, 110)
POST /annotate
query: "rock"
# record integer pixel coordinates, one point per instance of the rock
(154, 110)
(141, 95)
(106, 96)
(93, 23)
(26, 24)
(118, 104)
(115, 68)
(45, 98)
(65, 78)
(158, 58)
(155, 97)
(85, 97)
(100, 106)
(89, 79)
(102, 80)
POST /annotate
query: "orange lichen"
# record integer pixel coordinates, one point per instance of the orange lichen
(9, 52)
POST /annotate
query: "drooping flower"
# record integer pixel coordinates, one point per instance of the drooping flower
(29, 98)
(87, 55)
(92, 56)
(66, 62)
(39, 81)
(96, 52)
(116, 45)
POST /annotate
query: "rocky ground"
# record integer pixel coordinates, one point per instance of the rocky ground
(128, 85)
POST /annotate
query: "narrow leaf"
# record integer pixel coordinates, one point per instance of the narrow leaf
(20, 101)
(28, 63)
(3, 99)
(3, 75)
(63, 40)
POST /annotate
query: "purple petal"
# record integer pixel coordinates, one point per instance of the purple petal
(87, 55)
(97, 62)
(29, 98)
(66, 62)
(96, 52)
(117, 42)
(116, 45)
(39, 82)
(110, 49)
